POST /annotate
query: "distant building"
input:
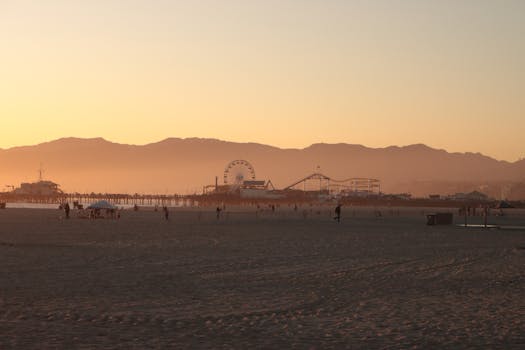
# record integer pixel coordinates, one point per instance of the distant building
(40, 188)
(254, 184)
(472, 196)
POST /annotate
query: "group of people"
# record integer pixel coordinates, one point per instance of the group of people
(92, 213)
(116, 214)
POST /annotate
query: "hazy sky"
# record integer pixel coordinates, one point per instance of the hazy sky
(450, 74)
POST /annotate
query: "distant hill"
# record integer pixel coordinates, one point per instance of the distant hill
(183, 166)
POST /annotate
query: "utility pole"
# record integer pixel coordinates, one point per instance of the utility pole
(40, 173)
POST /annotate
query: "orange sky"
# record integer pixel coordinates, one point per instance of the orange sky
(288, 73)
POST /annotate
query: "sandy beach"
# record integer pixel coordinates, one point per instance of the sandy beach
(283, 280)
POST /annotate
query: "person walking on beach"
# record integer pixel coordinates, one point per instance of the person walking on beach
(218, 212)
(66, 210)
(338, 213)
(166, 212)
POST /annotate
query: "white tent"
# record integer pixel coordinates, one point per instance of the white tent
(102, 205)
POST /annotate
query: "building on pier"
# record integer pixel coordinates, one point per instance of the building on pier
(39, 188)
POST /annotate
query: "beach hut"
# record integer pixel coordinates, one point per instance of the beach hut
(440, 219)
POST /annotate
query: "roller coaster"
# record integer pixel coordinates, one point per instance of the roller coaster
(240, 175)
(322, 183)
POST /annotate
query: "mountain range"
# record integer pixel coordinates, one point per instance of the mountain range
(184, 166)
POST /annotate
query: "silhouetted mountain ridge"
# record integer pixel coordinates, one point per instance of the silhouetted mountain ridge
(182, 165)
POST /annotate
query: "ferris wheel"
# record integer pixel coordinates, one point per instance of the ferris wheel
(238, 171)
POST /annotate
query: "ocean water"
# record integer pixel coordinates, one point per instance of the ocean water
(32, 205)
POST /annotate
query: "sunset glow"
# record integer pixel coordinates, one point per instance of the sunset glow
(286, 73)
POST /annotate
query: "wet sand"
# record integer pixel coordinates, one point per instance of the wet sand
(259, 281)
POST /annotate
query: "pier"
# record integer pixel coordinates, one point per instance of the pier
(116, 199)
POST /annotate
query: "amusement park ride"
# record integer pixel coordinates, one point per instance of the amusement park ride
(239, 175)
(239, 178)
(237, 172)
(351, 186)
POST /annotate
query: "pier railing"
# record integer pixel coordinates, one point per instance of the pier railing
(117, 199)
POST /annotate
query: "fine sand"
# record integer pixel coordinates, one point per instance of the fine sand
(280, 280)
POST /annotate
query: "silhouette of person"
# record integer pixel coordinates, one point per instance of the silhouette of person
(338, 213)
(218, 212)
(67, 209)
(166, 212)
